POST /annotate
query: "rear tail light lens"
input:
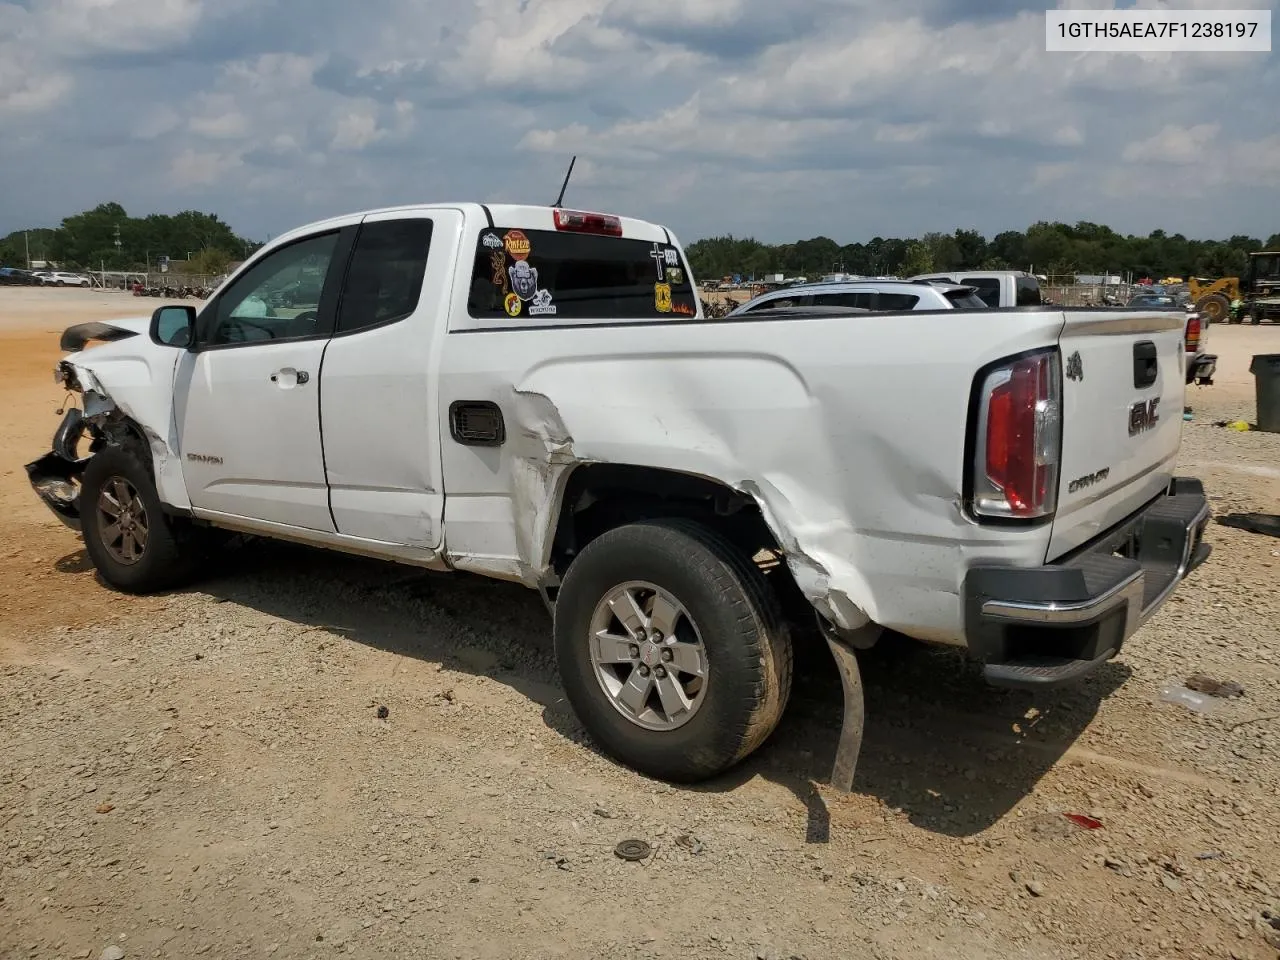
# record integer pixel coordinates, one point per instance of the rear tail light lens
(1193, 334)
(1019, 441)
(578, 221)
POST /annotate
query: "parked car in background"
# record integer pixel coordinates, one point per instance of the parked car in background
(881, 296)
(996, 288)
(15, 277)
(1154, 301)
(61, 278)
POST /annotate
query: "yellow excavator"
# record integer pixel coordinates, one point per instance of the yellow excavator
(1213, 298)
(1258, 296)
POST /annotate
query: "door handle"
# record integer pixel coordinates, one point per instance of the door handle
(298, 377)
(1145, 364)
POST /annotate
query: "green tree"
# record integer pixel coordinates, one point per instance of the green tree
(208, 262)
(89, 239)
(14, 247)
(919, 259)
(944, 252)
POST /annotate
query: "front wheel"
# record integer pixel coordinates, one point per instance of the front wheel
(672, 649)
(130, 539)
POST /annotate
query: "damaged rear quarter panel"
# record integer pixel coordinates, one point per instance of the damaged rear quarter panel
(135, 376)
(848, 431)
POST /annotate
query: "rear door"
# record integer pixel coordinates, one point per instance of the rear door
(1123, 388)
(379, 388)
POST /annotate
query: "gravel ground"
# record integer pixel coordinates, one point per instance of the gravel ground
(207, 775)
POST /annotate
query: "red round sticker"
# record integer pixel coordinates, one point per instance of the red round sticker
(517, 244)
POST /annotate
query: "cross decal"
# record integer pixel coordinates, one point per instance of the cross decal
(658, 257)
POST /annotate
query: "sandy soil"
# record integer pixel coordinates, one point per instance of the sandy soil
(204, 774)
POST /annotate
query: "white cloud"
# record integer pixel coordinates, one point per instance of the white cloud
(122, 26)
(1174, 144)
(194, 167)
(355, 131)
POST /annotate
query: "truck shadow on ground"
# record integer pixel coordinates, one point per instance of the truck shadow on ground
(951, 753)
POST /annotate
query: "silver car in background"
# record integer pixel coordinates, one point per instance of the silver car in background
(879, 296)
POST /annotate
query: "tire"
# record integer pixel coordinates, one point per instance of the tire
(745, 655)
(165, 559)
(59, 283)
(1214, 308)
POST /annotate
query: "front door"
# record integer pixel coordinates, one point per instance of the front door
(247, 399)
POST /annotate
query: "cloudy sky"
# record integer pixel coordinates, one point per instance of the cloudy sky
(782, 120)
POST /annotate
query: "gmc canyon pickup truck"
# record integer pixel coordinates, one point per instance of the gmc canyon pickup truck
(533, 394)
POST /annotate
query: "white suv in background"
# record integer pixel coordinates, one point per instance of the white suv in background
(879, 296)
(996, 288)
(60, 278)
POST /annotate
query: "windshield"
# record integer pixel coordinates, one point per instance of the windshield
(1267, 267)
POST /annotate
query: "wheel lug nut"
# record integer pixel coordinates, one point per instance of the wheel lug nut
(655, 637)
(667, 655)
(634, 651)
(660, 673)
(644, 671)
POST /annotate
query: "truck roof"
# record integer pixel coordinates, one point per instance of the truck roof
(937, 274)
(504, 215)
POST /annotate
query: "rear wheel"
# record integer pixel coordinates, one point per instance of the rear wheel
(1214, 308)
(672, 649)
(134, 544)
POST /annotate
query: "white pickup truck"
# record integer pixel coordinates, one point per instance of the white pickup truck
(533, 394)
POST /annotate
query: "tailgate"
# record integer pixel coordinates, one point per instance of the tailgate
(1123, 388)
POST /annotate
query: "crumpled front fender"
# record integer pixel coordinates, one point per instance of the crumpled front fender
(132, 378)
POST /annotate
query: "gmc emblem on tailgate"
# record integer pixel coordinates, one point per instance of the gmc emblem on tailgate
(1143, 415)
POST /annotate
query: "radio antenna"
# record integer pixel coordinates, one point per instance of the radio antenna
(564, 186)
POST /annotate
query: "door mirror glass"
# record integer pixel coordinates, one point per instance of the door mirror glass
(173, 326)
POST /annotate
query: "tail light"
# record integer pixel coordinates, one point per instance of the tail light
(576, 221)
(1019, 439)
(1193, 334)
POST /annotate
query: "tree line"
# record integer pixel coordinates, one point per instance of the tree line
(1052, 249)
(88, 241)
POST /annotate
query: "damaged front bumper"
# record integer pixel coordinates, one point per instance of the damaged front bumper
(55, 477)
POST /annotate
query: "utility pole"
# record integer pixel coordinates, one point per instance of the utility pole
(26, 240)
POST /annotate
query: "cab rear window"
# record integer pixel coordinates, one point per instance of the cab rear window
(987, 289)
(547, 274)
(1029, 292)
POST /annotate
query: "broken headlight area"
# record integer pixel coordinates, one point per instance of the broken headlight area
(65, 374)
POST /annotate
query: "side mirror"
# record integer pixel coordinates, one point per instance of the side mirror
(174, 326)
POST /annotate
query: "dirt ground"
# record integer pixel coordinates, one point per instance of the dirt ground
(205, 774)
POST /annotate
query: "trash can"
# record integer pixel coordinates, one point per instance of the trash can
(1266, 383)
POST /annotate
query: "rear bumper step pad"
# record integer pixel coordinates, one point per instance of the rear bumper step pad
(1056, 624)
